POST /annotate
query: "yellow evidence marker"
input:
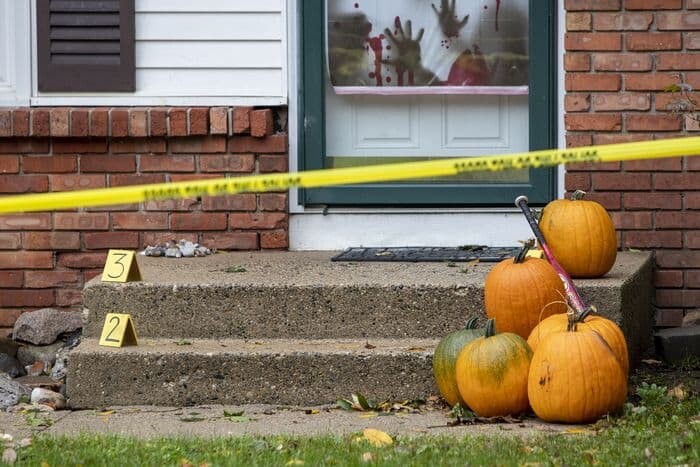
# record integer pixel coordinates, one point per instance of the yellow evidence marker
(118, 331)
(121, 266)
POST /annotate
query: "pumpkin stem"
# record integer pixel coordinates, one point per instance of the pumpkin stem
(522, 254)
(584, 314)
(471, 323)
(578, 195)
(490, 328)
(571, 326)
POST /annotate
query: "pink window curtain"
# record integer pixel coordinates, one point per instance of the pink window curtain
(424, 47)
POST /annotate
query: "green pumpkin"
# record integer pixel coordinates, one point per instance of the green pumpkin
(445, 357)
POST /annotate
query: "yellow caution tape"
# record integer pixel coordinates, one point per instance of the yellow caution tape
(687, 146)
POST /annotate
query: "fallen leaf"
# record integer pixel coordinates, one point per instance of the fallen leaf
(367, 457)
(105, 412)
(416, 349)
(377, 438)
(312, 411)
(648, 453)
(578, 431)
(679, 392)
(295, 462)
(368, 415)
(370, 346)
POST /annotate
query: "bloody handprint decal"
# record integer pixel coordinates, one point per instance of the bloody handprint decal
(408, 55)
(448, 19)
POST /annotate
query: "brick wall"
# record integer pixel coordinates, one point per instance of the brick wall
(46, 257)
(621, 56)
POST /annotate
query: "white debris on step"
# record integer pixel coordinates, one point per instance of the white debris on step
(183, 248)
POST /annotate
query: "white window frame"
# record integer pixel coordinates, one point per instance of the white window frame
(15, 39)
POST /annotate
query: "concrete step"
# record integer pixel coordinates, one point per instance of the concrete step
(234, 371)
(292, 327)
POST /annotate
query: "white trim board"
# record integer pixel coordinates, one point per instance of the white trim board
(15, 66)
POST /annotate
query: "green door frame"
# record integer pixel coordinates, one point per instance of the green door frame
(543, 125)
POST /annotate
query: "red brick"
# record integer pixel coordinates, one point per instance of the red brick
(692, 4)
(639, 41)
(164, 163)
(135, 179)
(272, 163)
(578, 22)
(159, 122)
(621, 181)
(81, 221)
(138, 146)
(199, 121)
(231, 240)
(678, 61)
(198, 145)
(89, 274)
(677, 181)
(622, 62)
(198, 221)
(692, 163)
(242, 202)
(275, 239)
(692, 279)
(82, 260)
(594, 5)
(11, 279)
(577, 141)
(649, 82)
(692, 201)
(653, 4)
(577, 181)
(677, 220)
(653, 239)
(178, 122)
(140, 220)
(644, 201)
(603, 139)
(79, 145)
(9, 164)
(59, 122)
(261, 123)
(48, 279)
(28, 298)
(138, 123)
(20, 122)
(692, 40)
(678, 20)
(605, 102)
(5, 122)
(668, 317)
(76, 182)
(664, 101)
(678, 258)
(241, 120)
(108, 164)
(180, 204)
(10, 240)
(668, 278)
(622, 21)
(49, 164)
(266, 220)
(238, 163)
(593, 167)
(36, 221)
(69, 297)
(593, 122)
(26, 260)
(40, 122)
(672, 164)
(273, 201)
(592, 82)
(611, 41)
(51, 240)
(632, 220)
(686, 298)
(24, 146)
(79, 122)
(218, 120)
(610, 201)
(107, 240)
(577, 62)
(653, 122)
(182, 177)
(159, 238)
(99, 122)
(119, 122)
(23, 183)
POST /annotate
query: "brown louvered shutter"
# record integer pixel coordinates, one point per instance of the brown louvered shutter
(85, 45)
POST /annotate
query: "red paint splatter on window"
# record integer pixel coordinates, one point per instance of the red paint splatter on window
(375, 43)
(498, 7)
(388, 79)
(357, 5)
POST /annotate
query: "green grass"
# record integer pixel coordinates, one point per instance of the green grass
(655, 430)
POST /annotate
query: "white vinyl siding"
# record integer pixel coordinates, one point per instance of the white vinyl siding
(204, 52)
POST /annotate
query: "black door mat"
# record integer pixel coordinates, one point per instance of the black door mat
(428, 254)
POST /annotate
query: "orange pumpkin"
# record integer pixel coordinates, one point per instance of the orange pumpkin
(575, 378)
(520, 292)
(492, 372)
(445, 357)
(608, 330)
(580, 234)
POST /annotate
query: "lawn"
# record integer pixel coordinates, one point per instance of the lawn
(660, 426)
